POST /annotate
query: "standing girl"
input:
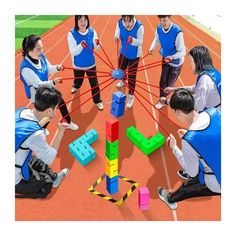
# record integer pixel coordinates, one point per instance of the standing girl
(34, 71)
(83, 58)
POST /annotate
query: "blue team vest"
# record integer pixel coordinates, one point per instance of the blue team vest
(207, 143)
(131, 51)
(41, 73)
(23, 129)
(167, 41)
(215, 75)
(86, 57)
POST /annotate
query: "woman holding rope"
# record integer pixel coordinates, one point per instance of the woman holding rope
(130, 31)
(171, 39)
(34, 71)
(82, 39)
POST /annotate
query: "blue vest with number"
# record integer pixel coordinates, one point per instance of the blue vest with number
(23, 129)
(167, 41)
(207, 143)
(41, 73)
(128, 51)
(86, 57)
(215, 75)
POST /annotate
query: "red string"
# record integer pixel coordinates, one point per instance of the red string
(84, 92)
(153, 106)
(107, 56)
(88, 99)
(71, 68)
(124, 53)
(83, 77)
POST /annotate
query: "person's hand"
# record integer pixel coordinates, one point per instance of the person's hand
(117, 39)
(83, 44)
(169, 89)
(97, 42)
(171, 141)
(169, 59)
(58, 80)
(181, 132)
(60, 67)
(130, 39)
(151, 51)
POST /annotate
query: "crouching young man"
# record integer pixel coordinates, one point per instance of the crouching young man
(33, 177)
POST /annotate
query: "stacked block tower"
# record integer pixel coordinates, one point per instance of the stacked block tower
(111, 163)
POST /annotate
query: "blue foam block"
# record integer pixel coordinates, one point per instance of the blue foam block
(118, 97)
(113, 187)
(117, 109)
(111, 180)
(90, 136)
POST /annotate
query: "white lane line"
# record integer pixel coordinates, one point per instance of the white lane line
(20, 22)
(194, 36)
(161, 149)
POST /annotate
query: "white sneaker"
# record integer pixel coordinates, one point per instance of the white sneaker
(120, 84)
(46, 132)
(60, 176)
(159, 105)
(100, 106)
(72, 126)
(74, 90)
(130, 101)
(164, 196)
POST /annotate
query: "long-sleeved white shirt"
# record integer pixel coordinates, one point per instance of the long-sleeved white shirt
(76, 49)
(179, 44)
(37, 143)
(138, 42)
(33, 80)
(188, 157)
(205, 94)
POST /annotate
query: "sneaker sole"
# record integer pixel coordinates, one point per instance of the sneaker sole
(181, 176)
(168, 204)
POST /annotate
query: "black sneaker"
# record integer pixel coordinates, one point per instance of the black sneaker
(182, 174)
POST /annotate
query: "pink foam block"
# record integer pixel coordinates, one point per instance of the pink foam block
(143, 196)
(144, 207)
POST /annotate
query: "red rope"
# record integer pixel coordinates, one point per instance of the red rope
(87, 100)
(107, 56)
(124, 53)
(84, 92)
(71, 68)
(154, 106)
(148, 112)
(88, 77)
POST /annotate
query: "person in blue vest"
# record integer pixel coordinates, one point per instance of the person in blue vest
(34, 71)
(33, 177)
(129, 31)
(199, 158)
(207, 88)
(81, 36)
(172, 49)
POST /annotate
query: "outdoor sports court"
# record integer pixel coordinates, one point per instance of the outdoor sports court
(72, 201)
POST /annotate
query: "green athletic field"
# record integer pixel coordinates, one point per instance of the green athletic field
(34, 24)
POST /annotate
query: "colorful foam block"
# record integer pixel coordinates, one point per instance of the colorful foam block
(111, 180)
(112, 129)
(111, 146)
(118, 97)
(113, 187)
(147, 146)
(117, 109)
(81, 148)
(111, 168)
(143, 196)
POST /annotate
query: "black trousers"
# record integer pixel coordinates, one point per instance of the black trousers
(169, 75)
(64, 111)
(189, 189)
(92, 76)
(132, 66)
(40, 183)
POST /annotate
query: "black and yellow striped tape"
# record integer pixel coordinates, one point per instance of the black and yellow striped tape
(121, 200)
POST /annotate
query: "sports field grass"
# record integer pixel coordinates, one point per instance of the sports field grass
(34, 24)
